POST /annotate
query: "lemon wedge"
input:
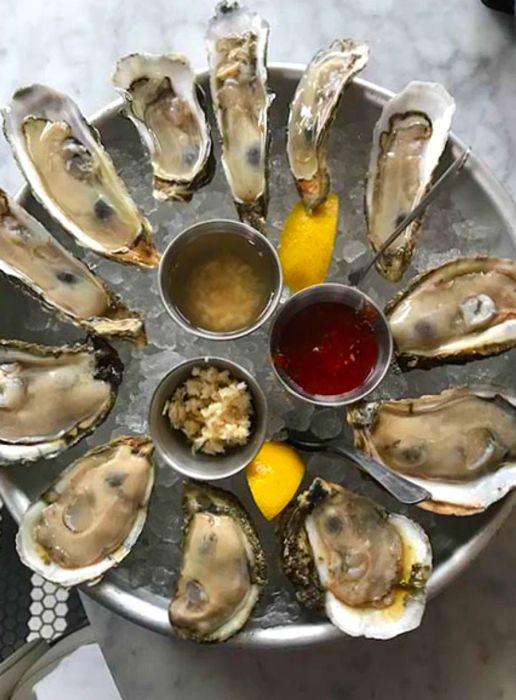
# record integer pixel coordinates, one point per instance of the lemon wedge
(306, 243)
(274, 476)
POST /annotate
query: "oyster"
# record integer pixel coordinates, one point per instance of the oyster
(72, 175)
(312, 112)
(237, 47)
(408, 141)
(52, 397)
(464, 308)
(162, 100)
(459, 444)
(89, 520)
(33, 259)
(223, 568)
(365, 567)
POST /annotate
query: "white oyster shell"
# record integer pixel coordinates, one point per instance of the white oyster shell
(407, 611)
(162, 100)
(31, 257)
(52, 397)
(72, 175)
(408, 141)
(457, 496)
(35, 556)
(312, 112)
(237, 46)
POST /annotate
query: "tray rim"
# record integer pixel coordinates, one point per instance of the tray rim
(141, 609)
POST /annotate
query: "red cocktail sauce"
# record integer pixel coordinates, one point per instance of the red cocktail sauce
(327, 348)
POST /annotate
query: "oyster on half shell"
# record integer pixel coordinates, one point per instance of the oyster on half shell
(408, 141)
(460, 444)
(464, 308)
(223, 569)
(312, 112)
(237, 47)
(162, 100)
(89, 520)
(71, 174)
(346, 555)
(33, 259)
(52, 397)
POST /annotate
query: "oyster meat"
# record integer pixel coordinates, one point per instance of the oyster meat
(162, 100)
(312, 112)
(52, 397)
(33, 259)
(223, 568)
(88, 521)
(464, 308)
(408, 141)
(237, 47)
(365, 567)
(72, 175)
(459, 444)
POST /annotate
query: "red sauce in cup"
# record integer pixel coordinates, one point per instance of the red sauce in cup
(327, 348)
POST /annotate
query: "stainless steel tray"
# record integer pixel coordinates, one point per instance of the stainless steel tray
(481, 198)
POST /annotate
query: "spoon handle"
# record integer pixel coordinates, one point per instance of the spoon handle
(402, 489)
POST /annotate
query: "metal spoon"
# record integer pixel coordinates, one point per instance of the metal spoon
(357, 276)
(402, 489)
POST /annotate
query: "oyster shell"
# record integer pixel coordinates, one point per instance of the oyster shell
(312, 112)
(408, 141)
(460, 444)
(52, 397)
(89, 520)
(162, 100)
(223, 568)
(464, 308)
(69, 171)
(237, 47)
(33, 259)
(365, 567)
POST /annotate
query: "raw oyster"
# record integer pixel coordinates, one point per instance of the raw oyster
(69, 171)
(408, 141)
(52, 397)
(32, 258)
(89, 520)
(312, 112)
(237, 47)
(162, 100)
(223, 569)
(460, 444)
(365, 567)
(464, 308)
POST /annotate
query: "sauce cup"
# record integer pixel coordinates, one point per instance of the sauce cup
(174, 447)
(215, 235)
(356, 300)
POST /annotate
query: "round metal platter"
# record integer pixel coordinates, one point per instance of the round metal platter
(480, 199)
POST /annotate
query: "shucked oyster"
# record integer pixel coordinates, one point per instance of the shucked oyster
(460, 444)
(90, 519)
(464, 308)
(237, 47)
(34, 259)
(365, 567)
(408, 141)
(312, 112)
(162, 99)
(223, 569)
(51, 397)
(69, 171)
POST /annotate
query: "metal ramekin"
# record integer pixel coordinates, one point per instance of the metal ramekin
(192, 235)
(353, 297)
(173, 445)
